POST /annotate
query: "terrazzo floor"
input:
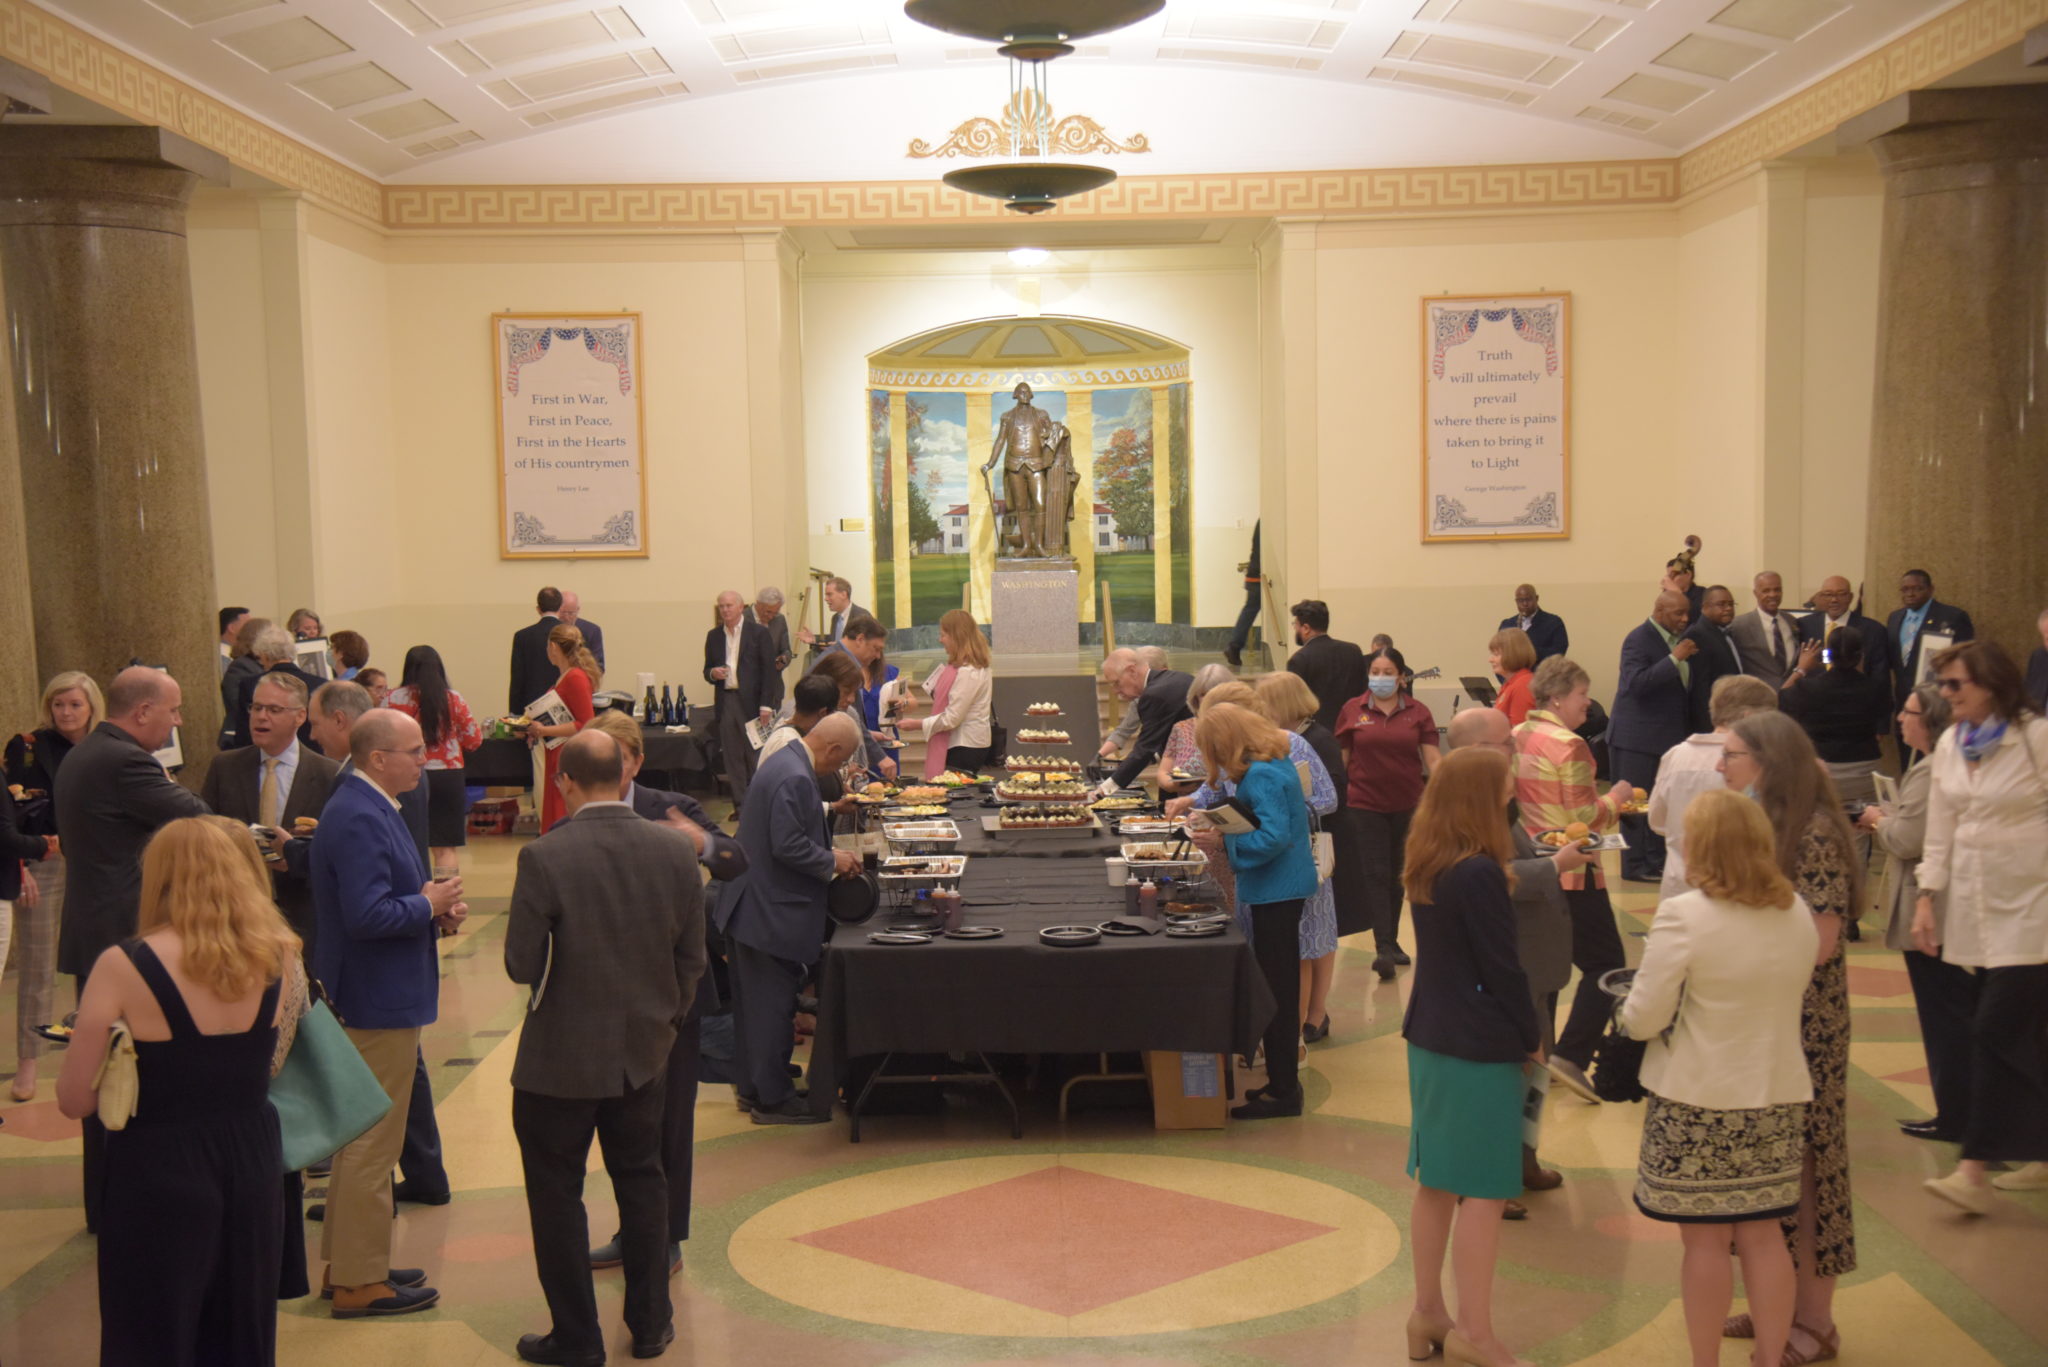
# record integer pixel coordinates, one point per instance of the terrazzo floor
(940, 1240)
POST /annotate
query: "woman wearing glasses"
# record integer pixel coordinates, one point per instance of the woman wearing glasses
(1987, 850)
(1944, 996)
(1768, 757)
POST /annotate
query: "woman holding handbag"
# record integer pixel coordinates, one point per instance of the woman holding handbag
(192, 1216)
(1987, 849)
(1718, 998)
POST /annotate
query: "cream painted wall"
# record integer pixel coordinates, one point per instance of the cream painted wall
(1844, 221)
(1202, 297)
(1715, 445)
(227, 315)
(455, 592)
(1630, 507)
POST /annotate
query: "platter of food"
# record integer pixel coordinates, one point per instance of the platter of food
(921, 793)
(903, 868)
(1151, 857)
(920, 830)
(1054, 763)
(1035, 787)
(1030, 736)
(912, 813)
(1041, 818)
(1119, 804)
(1147, 826)
(1043, 709)
(953, 778)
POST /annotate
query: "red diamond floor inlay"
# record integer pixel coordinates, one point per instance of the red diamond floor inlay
(1918, 1075)
(1064, 1240)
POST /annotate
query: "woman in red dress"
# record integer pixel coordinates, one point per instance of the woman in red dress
(580, 678)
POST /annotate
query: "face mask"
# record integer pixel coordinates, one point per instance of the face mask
(1383, 685)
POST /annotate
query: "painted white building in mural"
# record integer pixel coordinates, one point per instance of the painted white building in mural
(953, 533)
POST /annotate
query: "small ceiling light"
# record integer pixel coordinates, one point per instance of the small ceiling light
(1029, 256)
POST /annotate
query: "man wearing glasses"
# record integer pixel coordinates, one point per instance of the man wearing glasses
(273, 783)
(379, 918)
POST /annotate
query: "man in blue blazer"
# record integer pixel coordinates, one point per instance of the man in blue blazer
(773, 915)
(380, 918)
(1545, 630)
(1652, 713)
(1920, 614)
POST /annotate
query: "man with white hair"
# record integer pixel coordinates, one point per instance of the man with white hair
(739, 664)
(768, 612)
(1113, 666)
(571, 615)
(773, 915)
(275, 650)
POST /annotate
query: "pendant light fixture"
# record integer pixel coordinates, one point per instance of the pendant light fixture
(1030, 33)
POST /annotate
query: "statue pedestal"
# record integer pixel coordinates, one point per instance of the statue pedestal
(1033, 607)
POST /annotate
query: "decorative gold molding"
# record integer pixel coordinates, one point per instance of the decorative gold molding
(1027, 128)
(81, 63)
(1944, 44)
(1423, 190)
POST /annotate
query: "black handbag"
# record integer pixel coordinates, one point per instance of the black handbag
(998, 743)
(1617, 1072)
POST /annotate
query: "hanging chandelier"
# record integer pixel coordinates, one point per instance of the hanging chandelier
(1030, 33)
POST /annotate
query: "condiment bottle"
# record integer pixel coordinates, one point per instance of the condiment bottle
(1130, 894)
(1148, 900)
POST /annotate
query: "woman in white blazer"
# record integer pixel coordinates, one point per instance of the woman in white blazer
(1987, 849)
(1718, 995)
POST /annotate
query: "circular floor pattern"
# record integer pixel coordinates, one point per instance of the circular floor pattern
(1064, 1245)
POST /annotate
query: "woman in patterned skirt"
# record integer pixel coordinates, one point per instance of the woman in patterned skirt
(1769, 757)
(1718, 996)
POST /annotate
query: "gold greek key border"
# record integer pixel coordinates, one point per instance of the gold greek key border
(79, 62)
(1426, 190)
(1086, 377)
(1944, 44)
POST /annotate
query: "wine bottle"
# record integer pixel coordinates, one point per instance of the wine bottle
(668, 708)
(650, 710)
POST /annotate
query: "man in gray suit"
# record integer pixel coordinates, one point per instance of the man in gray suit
(768, 612)
(607, 926)
(1767, 639)
(275, 783)
(1543, 920)
(773, 915)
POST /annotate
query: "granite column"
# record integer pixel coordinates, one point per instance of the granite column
(1959, 440)
(105, 390)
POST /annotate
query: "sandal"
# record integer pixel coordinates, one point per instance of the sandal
(1826, 1347)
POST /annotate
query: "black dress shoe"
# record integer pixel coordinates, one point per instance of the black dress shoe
(1398, 955)
(543, 1348)
(1262, 1103)
(409, 1191)
(1316, 1034)
(656, 1346)
(1383, 966)
(1232, 656)
(1929, 1129)
(796, 1110)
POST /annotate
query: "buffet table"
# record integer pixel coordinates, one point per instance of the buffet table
(509, 763)
(1016, 995)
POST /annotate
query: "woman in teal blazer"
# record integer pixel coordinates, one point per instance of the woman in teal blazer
(1275, 867)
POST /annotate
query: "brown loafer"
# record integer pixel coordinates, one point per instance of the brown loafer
(1536, 1177)
(381, 1298)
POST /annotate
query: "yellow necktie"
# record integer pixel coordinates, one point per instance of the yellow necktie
(266, 801)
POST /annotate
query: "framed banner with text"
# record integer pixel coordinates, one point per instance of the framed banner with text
(1496, 417)
(572, 471)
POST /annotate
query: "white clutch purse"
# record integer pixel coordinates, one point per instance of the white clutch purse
(116, 1081)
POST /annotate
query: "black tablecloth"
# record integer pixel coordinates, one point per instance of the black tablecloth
(509, 763)
(1016, 995)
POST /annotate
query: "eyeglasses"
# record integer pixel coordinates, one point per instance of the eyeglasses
(265, 709)
(418, 752)
(1950, 685)
(1726, 753)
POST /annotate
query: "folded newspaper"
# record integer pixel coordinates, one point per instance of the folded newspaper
(549, 710)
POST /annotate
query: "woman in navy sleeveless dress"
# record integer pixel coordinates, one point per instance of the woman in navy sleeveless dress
(191, 1226)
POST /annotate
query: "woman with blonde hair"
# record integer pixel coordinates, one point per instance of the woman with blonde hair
(581, 676)
(1275, 870)
(1718, 997)
(71, 708)
(1768, 756)
(1290, 704)
(1513, 659)
(192, 1213)
(1472, 1036)
(957, 734)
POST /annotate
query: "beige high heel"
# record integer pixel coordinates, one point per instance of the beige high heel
(1459, 1349)
(1425, 1337)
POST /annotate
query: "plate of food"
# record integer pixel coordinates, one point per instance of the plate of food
(1580, 834)
(60, 1033)
(1639, 805)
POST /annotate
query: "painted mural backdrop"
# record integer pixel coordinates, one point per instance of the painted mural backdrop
(1125, 535)
(1180, 465)
(880, 516)
(935, 427)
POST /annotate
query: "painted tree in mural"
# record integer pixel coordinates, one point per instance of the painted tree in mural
(1123, 480)
(878, 454)
(924, 525)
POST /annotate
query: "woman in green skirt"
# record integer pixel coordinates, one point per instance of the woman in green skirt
(1472, 1037)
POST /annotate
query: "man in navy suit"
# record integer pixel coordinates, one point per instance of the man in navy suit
(1718, 656)
(773, 915)
(571, 615)
(1545, 630)
(1652, 713)
(531, 673)
(380, 917)
(1919, 613)
(839, 602)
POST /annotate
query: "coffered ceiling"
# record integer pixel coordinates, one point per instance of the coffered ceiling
(675, 90)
